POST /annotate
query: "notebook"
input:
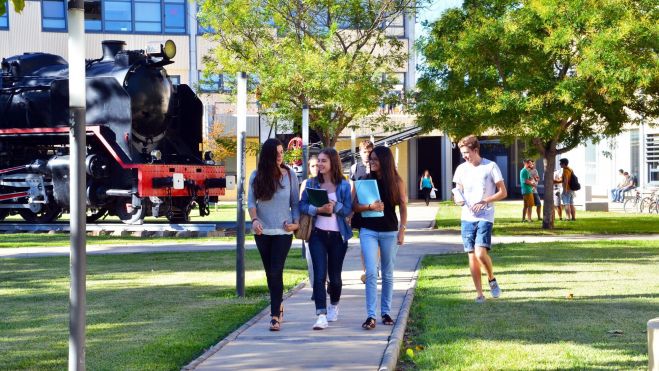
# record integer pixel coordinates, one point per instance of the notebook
(318, 198)
(367, 193)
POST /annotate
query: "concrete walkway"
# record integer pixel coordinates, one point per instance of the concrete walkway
(344, 345)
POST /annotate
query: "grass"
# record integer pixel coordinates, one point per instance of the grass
(536, 324)
(508, 216)
(62, 239)
(144, 311)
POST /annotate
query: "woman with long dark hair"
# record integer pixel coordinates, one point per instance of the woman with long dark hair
(384, 232)
(329, 238)
(273, 206)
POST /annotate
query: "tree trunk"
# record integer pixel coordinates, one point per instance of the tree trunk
(550, 165)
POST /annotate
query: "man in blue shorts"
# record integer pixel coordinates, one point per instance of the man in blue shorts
(479, 183)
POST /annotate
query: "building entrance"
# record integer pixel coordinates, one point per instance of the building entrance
(429, 156)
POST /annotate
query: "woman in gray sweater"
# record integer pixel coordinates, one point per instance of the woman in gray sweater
(272, 202)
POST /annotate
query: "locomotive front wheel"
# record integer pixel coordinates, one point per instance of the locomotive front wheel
(95, 214)
(48, 213)
(129, 214)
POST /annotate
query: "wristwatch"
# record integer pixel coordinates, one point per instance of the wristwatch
(403, 227)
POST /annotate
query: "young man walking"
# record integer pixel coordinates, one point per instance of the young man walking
(480, 183)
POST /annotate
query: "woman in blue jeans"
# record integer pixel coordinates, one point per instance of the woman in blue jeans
(329, 238)
(384, 232)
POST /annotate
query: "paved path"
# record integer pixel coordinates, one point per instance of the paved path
(342, 346)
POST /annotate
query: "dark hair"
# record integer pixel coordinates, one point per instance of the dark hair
(564, 161)
(267, 177)
(621, 171)
(471, 142)
(388, 175)
(336, 176)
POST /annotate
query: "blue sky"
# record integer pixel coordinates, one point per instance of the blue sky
(432, 11)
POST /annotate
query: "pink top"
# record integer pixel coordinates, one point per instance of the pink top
(328, 223)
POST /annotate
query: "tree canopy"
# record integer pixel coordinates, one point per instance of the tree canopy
(333, 55)
(552, 73)
(18, 6)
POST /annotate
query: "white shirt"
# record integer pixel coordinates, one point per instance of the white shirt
(478, 183)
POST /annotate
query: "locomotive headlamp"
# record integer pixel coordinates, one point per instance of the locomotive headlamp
(156, 155)
(169, 49)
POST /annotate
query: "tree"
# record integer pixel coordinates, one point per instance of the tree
(18, 6)
(223, 145)
(550, 73)
(333, 55)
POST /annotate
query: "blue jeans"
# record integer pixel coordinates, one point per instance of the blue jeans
(327, 250)
(388, 246)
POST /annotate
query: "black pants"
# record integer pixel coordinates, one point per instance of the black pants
(426, 194)
(274, 250)
(327, 253)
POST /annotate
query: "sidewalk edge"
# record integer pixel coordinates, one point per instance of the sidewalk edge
(391, 352)
(232, 336)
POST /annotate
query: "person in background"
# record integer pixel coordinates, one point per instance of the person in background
(567, 196)
(536, 196)
(482, 184)
(384, 234)
(329, 238)
(312, 172)
(615, 192)
(359, 171)
(527, 184)
(272, 204)
(558, 189)
(426, 185)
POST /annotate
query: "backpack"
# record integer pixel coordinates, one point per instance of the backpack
(573, 182)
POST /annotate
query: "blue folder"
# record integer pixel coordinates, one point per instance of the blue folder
(367, 193)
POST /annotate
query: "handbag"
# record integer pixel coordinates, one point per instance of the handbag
(303, 231)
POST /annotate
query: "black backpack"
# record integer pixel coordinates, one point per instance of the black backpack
(573, 182)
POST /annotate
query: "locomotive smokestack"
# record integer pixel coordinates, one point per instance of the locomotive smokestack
(111, 48)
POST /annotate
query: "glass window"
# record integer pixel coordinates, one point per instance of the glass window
(93, 15)
(4, 19)
(209, 84)
(175, 79)
(118, 16)
(174, 17)
(53, 15)
(148, 16)
(635, 152)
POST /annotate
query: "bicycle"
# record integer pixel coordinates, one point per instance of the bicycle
(633, 204)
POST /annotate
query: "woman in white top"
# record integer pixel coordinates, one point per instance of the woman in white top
(329, 238)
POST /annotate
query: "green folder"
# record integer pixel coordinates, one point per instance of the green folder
(318, 198)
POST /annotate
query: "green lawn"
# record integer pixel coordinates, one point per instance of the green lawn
(508, 216)
(144, 311)
(535, 324)
(62, 239)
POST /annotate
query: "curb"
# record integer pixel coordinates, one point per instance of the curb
(232, 336)
(391, 352)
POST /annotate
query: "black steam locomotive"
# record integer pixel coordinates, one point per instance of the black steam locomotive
(143, 138)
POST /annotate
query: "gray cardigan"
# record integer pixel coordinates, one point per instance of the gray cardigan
(282, 207)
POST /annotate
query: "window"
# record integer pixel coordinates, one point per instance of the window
(652, 156)
(215, 83)
(148, 16)
(4, 19)
(53, 15)
(635, 152)
(117, 15)
(93, 15)
(175, 79)
(175, 16)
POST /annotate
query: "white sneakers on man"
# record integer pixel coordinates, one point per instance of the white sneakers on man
(332, 313)
(321, 322)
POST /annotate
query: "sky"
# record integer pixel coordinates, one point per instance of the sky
(432, 11)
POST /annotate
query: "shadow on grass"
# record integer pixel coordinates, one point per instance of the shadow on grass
(155, 311)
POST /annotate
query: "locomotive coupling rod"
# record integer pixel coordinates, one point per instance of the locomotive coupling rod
(119, 192)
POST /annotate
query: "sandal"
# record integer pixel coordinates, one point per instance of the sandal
(369, 324)
(274, 325)
(387, 320)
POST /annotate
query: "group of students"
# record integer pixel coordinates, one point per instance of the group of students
(275, 204)
(627, 183)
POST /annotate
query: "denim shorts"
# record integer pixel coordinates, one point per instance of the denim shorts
(567, 198)
(476, 234)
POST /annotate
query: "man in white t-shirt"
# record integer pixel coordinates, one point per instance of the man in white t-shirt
(481, 184)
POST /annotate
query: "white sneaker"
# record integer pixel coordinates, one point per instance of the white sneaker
(321, 322)
(332, 313)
